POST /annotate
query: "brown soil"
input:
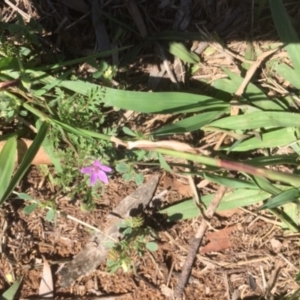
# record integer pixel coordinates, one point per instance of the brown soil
(241, 249)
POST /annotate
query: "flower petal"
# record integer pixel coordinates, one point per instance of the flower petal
(105, 168)
(102, 176)
(87, 170)
(93, 178)
(97, 163)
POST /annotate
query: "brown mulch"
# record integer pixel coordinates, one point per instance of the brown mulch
(256, 249)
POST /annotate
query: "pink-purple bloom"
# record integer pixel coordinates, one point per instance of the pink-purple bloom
(97, 171)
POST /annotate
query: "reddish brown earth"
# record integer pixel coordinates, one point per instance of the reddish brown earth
(239, 247)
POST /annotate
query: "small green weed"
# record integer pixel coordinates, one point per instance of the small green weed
(136, 240)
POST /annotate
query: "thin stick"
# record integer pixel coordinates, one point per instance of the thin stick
(252, 70)
(21, 12)
(196, 242)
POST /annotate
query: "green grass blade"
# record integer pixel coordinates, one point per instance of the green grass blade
(282, 198)
(286, 32)
(7, 163)
(232, 183)
(11, 292)
(51, 85)
(259, 9)
(80, 60)
(288, 74)
(265, 119)
(252, 93)
(28, 157)
(8, 63)
(265, 185)
(189, 124)
(289, 216)
(180, 51)
(162, 102)
(290, 159)
(249, 55)
(275, 138)
(164, 164)
(81, 132)
(238, 198)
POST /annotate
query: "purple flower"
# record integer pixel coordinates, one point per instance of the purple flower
(97, 171)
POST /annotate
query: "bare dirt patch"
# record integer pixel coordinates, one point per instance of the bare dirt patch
(246, 252)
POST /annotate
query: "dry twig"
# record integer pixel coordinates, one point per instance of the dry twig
(196, 242)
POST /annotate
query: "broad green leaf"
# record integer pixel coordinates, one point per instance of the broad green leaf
(127, 176)
(127, 231)
(139, 179)
(50, 215)
(180, 51)
(24, 196)
(28, 209)
(152, 246)
(238, 198)
(7, 163)
(123, 167)
(189, 124)
(11, 292)
(282, 198)
(286, 32)
(259, 119)
(25, 164)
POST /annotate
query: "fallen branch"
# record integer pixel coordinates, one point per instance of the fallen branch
(196, 242)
